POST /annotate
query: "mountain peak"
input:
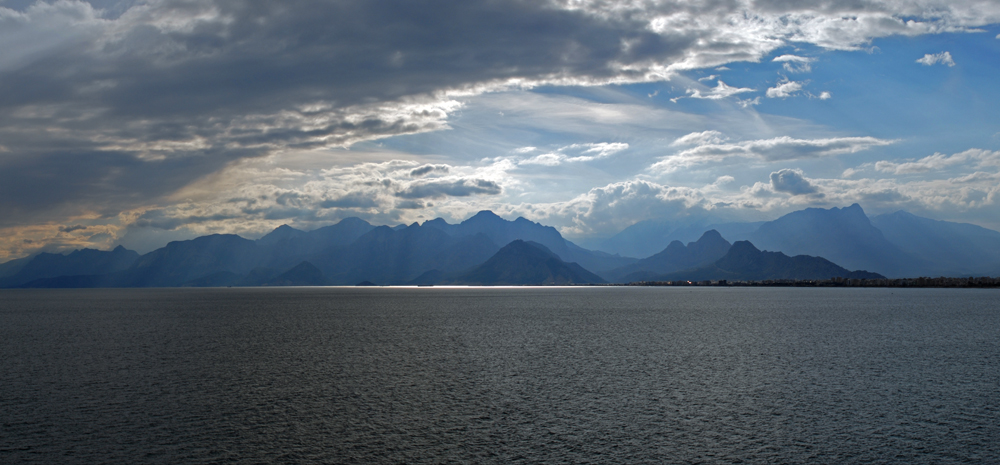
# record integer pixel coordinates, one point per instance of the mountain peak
(527, 263)
(436, 222)
(485, 215)
(743, 247)
(710, 236)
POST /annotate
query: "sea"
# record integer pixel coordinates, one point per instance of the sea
(500, 375)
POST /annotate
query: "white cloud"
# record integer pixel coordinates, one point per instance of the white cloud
(825, 95)
(720, 91)
(701, 138)
(973, 157)
(584, 153)
(609, 209)
(795, 64)
(709, 78)
(785, 88)
(768, 150)
(943, 58)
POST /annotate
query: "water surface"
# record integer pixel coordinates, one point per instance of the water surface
(586, 375)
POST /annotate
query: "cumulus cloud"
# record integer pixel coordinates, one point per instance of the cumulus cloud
(943, 58)
(769, 150)
(825, 95)
(792, 182)
(785, 88)
(794, 63)
(608, 209)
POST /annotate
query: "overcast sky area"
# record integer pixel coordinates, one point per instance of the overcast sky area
(140, 122)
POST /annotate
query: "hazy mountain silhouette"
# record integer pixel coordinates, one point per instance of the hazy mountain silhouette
(396, 256)
(12, 267)
(183, 261)
(77, 263)
(527, 263)
(287, 246)
(354, 251)
(707, 249)
(501, 231)
(646, 238)
(953, 249)
(744, 262)
(842, 235)
(303, 274)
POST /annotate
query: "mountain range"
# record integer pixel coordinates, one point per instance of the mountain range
(487, 249)
(897, 245)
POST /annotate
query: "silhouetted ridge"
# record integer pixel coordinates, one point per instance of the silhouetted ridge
(745, 262)
(303, 274)
(83, 262)
(951, 249)
(842, 235)
(710, 247)
(527, 263)
(501, 231)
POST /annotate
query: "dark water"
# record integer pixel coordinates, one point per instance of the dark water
(584, 375)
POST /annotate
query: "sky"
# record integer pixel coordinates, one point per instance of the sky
(140, 122)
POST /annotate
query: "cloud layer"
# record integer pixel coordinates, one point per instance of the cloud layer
(121, 112)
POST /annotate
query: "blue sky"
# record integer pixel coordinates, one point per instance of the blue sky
(136, 123)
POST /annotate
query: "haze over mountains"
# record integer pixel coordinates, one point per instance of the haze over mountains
(486, 249)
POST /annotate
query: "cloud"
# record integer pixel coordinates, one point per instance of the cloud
(122, 109)
(973, 157)
(943, 58)
(795, 64)
(701, 138)
(584, 153)
(785, 88)
(427, 169)
(720, 91)
(608, 209)
(792, 182)
(768, 150)
(449, 188)
(825, 95)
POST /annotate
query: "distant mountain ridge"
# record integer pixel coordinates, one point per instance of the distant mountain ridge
(527, 263)
(707, 249)
(949, 249)
(77, 263)
(345, 253)
(744, 262)
(353, 251)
